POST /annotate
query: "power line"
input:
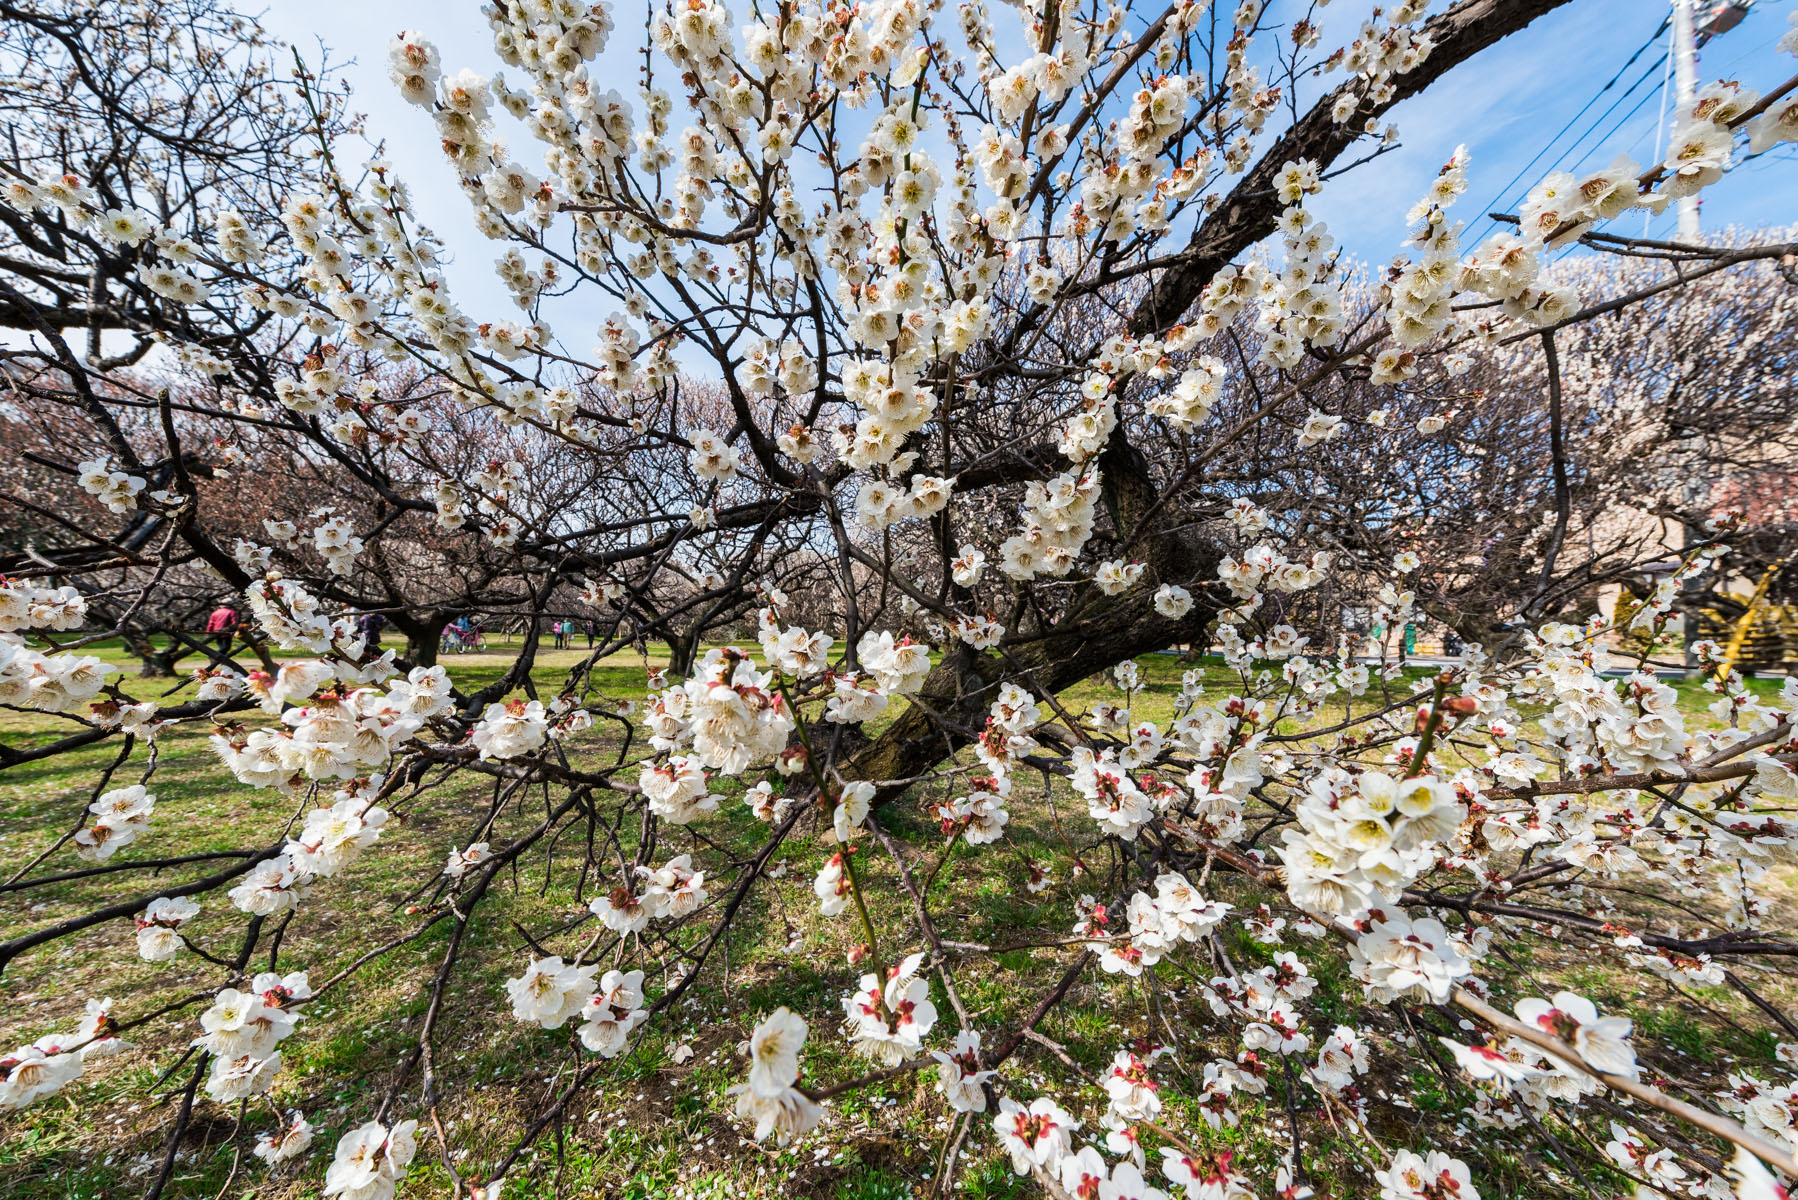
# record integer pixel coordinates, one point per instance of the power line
(1609, 133)
(1504, 191)
(1605, 137)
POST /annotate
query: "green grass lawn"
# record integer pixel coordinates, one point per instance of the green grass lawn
(652, 1127)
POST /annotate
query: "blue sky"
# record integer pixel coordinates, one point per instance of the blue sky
(1505, 105)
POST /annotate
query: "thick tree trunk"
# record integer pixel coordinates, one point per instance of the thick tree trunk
(423, 634)
(1101, 634)
(154, 663)
(681, 651)
(962, 684)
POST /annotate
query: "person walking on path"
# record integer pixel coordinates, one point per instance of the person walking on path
(222, 626)
(370, 625)
(590, 631)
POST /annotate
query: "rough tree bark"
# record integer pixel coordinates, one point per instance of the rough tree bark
(1111, 631)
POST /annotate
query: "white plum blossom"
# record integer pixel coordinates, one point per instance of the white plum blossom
(551, 992)
(1172, 602)
(511, 729)
(774, 1052)
(889, 1023)
(461, 861)
(120, 817)
(1602, 1042)
(615, 1009)
(770, 1098)
(292, 1139)
(1036, 1135)
(1398, 959)
(960, 1076)
(158, 926)
(677, 789)
(371, 1160)
(673, 890)
(32, 1072)
(1413, 1176)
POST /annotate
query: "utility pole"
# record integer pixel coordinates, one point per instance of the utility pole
(1685, 82)
(1685, 79)
(1718, 18)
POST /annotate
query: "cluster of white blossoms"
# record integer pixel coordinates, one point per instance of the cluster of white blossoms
(897, 666)
(1633, 1152)
(980, 815)
(1400, 959)
(959, 1076)
(887, 1020)
(1113, 798)
(292, 616)
(676, 788)
(511, 729)
(1153, 924)
(671, 891)
(894, 406)
(797, 652)
(920, 240)
(1766, 1108)
(551, 993)
(1058, 520)
(614, 1009)
(120, 816)
(1633, 725)
(1562, 207)
(770, 1098)
(159, 927)
(330, 840)
(330, 729)
(1268, 1000)
(1304, 304)
(1039, 1137)
(41, 1069)
(1422, 289)
(1528, 1081)
(50, 682)
(1194, 395)
(27, 605)
(879, 504)
(712, 458)
(243, 1030)
(1412, 1176)
(729, 713)
(337, 543)
(1360, 839)
(461, 861)
(117, 490)
(371, 1160)
(1264, 566)
(65, 195)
